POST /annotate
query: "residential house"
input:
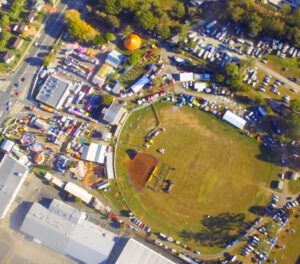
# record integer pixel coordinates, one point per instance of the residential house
(7, 57)
(30, 17)
(22, 27)
(16, 43)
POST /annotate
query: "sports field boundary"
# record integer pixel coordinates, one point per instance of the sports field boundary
(116, 146)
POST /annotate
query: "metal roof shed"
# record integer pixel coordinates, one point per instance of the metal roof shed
(114, 113)
(234, 119)
(78, 192)
(140, 84)
(110, 165)
(7, 145)
(94, 152)
(186, 77)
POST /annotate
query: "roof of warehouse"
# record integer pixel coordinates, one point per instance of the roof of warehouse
(66, 230)
(136, 253)
(94, 152)
(12, 176)
(53, 90)
(114, 113)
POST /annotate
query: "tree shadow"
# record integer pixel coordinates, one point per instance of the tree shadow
(131, 153)
(256, 209)
(217, 230)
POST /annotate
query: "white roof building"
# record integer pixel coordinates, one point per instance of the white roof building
(7, 145)
(79, 192)
(110, 165)
(94, 152)
(140, 84)
(114, 113)
(186, 77)
(65, 229)
(54, 91)
(135, 252)
(12, 176)
(234, 119)
(199, 86)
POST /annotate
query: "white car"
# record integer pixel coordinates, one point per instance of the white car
(294, 90)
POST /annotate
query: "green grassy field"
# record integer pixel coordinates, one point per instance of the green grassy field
(292, 64)
(216, 174)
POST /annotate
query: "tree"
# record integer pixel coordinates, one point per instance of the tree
(220, 78)
(134, 58)
(107, 99)
(147, 20)
(127, 30)
(113, 21)
(165, 32)
(272, 229)
(294, 118)
(232, 70)
(48, 59)
(99, 40)
(285, 9)
(178, 10)
(260, 100)
(5, 20)
(264, 246)
(191, 44)
(112, 7)
(110, 37)
(88, 8)
(255, 25)
(78, 28)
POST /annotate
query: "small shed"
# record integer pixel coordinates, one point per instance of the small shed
(279, 185)
(199, 86)
(294, 176)
(7, 145)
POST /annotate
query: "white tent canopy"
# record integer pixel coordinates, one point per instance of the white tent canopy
(94, 152)
(234, 119)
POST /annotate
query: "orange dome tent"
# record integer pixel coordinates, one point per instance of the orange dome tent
(132, 42)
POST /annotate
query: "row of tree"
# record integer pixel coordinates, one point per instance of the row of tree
(148, 14)
(82, 31)
(261, 20)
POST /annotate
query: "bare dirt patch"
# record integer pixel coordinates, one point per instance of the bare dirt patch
(140, 169)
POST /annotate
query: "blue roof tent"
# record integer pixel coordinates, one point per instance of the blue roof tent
(259, 112)
(205, 76)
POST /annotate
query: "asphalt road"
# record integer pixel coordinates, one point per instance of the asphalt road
(53, 28)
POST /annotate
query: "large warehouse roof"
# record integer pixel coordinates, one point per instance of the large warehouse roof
(136, 253)
(54, 91)
(66, 230)
(234, 119)
(12, 176)
(94, 152)
(114, 113)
